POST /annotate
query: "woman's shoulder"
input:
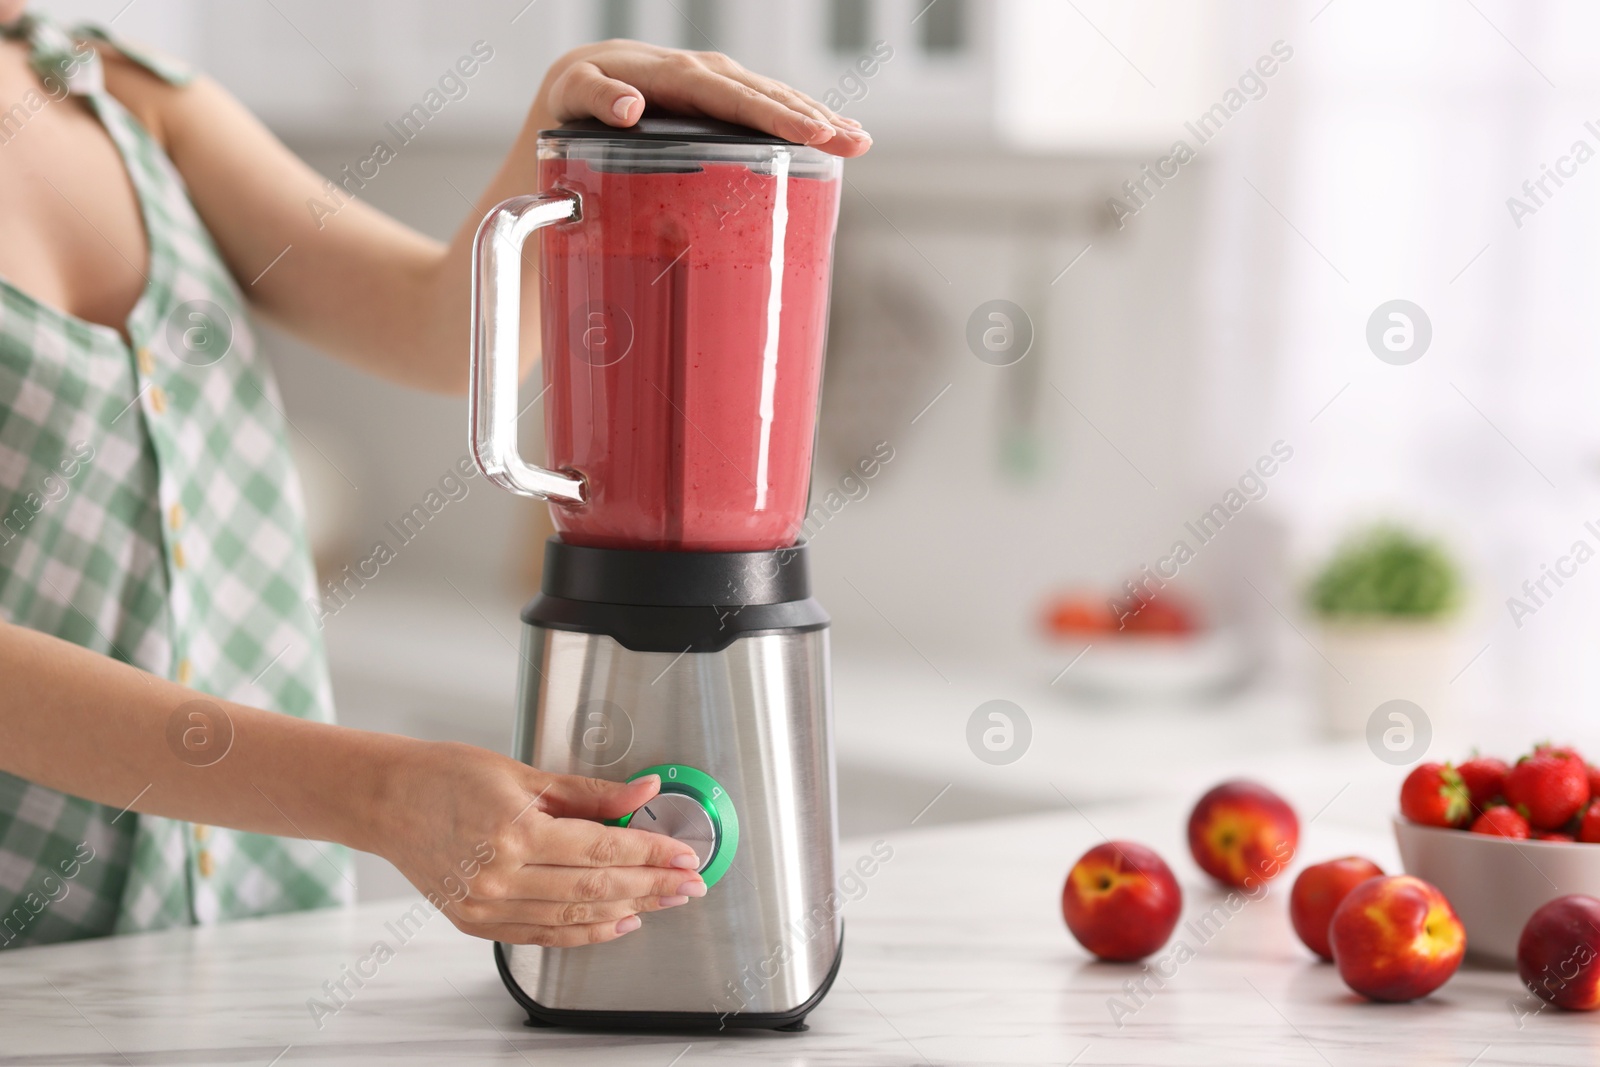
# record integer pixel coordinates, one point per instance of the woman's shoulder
(147, 96)
(144, 80)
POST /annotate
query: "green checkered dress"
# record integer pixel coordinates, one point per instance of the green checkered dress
(149, 511)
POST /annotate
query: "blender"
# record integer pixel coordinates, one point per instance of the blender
(684, 271)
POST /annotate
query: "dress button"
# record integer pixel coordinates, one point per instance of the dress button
(203, 861)
(201, 832)
(185, 672)
(178, 559)
(147, 362)
(158, 399)
(175, 516)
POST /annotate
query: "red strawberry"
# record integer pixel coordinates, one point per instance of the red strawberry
(1434, 795)
(1545, 748)
(1486, 779)
(1551, 835)
(1589, 825)
(1501, 821)
(1594, 779)
(1548, 788)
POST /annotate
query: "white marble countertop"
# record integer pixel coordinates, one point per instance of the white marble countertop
(956, 954)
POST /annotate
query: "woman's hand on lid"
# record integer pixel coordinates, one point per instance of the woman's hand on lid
(613, 80)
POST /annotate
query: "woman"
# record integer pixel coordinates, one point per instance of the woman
(167, 754)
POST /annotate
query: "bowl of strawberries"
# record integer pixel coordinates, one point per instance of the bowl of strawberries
(1502, 839)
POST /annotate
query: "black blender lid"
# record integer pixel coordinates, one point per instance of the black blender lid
(659, 127)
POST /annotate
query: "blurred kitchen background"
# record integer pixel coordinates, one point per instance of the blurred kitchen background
(1161, 340)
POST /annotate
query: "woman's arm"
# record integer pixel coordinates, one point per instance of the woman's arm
(371, 291)
(511, 853)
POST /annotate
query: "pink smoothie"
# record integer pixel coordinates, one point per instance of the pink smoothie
(681, 386)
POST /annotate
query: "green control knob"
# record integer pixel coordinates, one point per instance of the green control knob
(694, 809)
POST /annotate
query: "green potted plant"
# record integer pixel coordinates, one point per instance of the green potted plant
(1386, 602)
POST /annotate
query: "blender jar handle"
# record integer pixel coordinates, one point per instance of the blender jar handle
(496, 344)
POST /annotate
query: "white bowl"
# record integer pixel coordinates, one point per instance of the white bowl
(1496, 883)
(1157, 666)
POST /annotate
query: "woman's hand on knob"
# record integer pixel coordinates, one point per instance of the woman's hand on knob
(612, 81)
(513, 854)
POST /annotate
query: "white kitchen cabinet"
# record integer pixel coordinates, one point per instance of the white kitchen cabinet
(1094, 76)
(1104, 76)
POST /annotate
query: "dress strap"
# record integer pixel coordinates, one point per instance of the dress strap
(172, 71)
(69, 65)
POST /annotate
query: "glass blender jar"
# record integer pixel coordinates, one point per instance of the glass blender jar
(685, 269)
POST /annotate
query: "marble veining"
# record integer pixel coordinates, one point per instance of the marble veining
(954, 954)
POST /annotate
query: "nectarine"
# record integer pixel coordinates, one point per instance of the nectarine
(1121, 901)
(1396, 938)
(1243, 834)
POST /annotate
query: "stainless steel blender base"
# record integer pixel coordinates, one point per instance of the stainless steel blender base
(762, 946)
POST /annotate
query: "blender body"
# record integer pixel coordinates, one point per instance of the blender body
(684, 275)
(732, 710)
